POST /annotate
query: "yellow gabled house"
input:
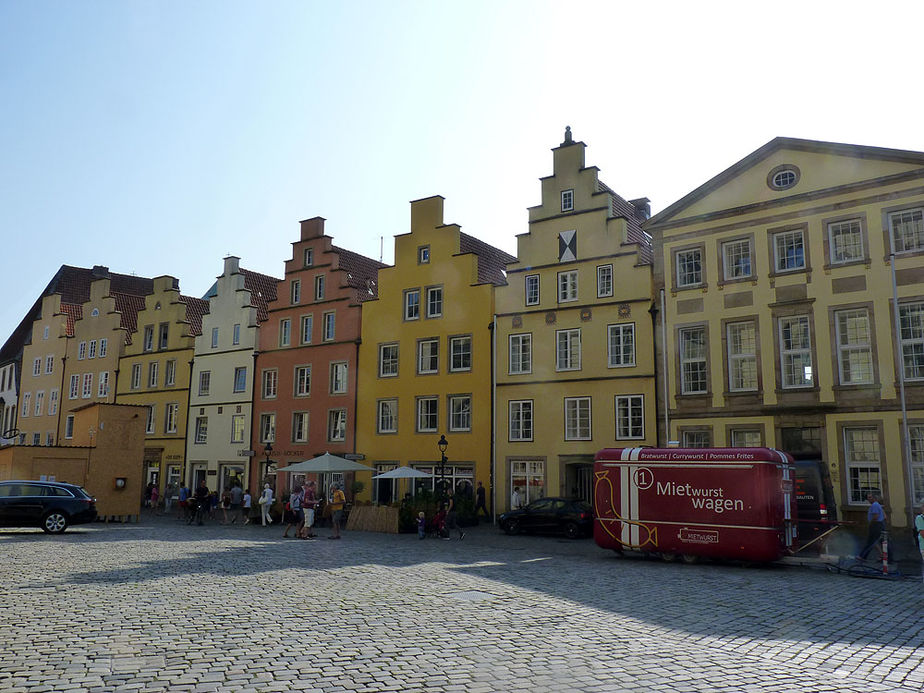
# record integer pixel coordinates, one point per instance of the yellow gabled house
(425, 358)
(154, 372)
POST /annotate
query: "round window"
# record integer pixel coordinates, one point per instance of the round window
(783, 177)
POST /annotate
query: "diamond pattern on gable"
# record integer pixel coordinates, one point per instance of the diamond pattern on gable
(567, 246)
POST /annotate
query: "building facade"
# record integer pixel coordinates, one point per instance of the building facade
(221, 393)
(425, 359)
(575, 361)
(781, 328)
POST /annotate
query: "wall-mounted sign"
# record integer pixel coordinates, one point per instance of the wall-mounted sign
(245, 453)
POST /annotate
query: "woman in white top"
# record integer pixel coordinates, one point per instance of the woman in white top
(266, 500)
(516, 502)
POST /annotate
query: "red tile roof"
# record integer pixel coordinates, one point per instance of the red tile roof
(73, 312)
(492, 262)
(634, 233)
(262, 289)
(361, 273)
(128, 306)
(195, 309)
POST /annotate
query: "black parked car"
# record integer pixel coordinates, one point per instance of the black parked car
(51, 505)
(551, 515)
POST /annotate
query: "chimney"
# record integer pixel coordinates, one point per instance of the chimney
(642, 208)
(99, 272)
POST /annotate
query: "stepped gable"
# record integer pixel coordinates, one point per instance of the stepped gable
(74, 312)
(128, 306)
(626, 210)
(492, 262)
(195, 309)
(262, 289)
(361, 273)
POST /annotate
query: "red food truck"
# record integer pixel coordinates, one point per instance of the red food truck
(731, 503)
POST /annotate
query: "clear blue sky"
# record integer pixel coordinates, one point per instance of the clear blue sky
(158, 137)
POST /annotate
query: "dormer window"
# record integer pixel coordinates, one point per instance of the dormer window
(783, 177)
(423, 255)
(309, 257)
(567, 200)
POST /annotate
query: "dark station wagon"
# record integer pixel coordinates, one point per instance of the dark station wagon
(573, 518)
(51, 505)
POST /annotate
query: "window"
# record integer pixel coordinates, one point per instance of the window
(37, 367)
(45, 332)
(460, 354)
(53, 403)
(567, 200)
(295, 292)
(103, 348)
(50, 364)
(153, 373)
(103, 389)
(328, 326)
(434, 301)
(604, 281)
(202, 426)
(568, 350)
(270, 383)
(387, 416)
(149, 424)
(532, 289)
(162, 335)
(91, 349)
(338, 378)
(529, 478)
(170, 419)
(170, 373)
(36, 438)
(319, 288)
(911, 321)
(236, 334)
(336, 425)
(742, 356)
(26, 402)
(285, 331)
(795, 352)
(49, 438)
(521, 354)
(789, 251)
(74, 389)
(214, 337)
(567, 286)
(428, 351)
(736, 259)
(237, 428)
(240, 379)
(427, 414)
(577, 418)
(845, 241)
(388, 360)
(300, 427)
(693, 360)
(412, 304)
(460, 413)
(81, 351)
(307, 328)
(39, 402)
(907, 230)
(423, 255)
(205, 381)
(620, 345)
(784, 178)
(861, 448)
(630, 416)
(267, 428)
(689, 267)
(308, 257)
(695, 439)
(69, 426)
(521, 420)
(745, 438)
(87, 385)
(136, 376)
(854, 347)
(302, 381)
(917, 464)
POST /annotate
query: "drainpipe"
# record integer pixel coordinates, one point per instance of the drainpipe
(253, 410)
(60, 394)
(493, 328)
(666, 379)
(906, 437)
(188, 412)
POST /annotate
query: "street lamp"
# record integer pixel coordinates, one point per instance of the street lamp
(267, 450)
(442, 445)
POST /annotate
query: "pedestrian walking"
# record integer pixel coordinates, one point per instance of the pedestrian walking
(480, 500)
(516, 500)
(169, 493)
(421, 525)
(202, 501)
(294, 515)
(247, 501)
(876, 518)
(309, 504)
(183, 502)
(266, 500)
(919, 527)
(155, 495)
(337, 501)
(452, 518)
(237, 493)
(225, 505)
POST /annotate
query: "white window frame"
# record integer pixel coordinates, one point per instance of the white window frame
(149, 425)
(214, 337)
(36, 367)
(269, 383)
(329, 326)
(307, 327)
(911, 330)
(238, 428)
(236, 334)
(520, 353)
(531, 289)
(50, 364)
(268, 427)
(319, 287)
(578, 418)
(170, 372)
(460, 354)
(148, 344)
(103, 384)
(26, 405)
(793, 357)
(693, 364)
(39, 402)
(460, 413)
(53, 402)
(87, 389)
(620, 345)
(338, 377)
(336, 425)
(568, 349)
(744, 438)
(434, 301)
(567, 200)
(412, 304)
(201, 430)
(103, 347)
(520, 420)
(69, 427)
(910, 224)
(432, 348)
(424, 414)
(604, 281)
(285, 332)
(845, 241)
(205, 383)
(630, 417)
(308, 257)
(688, 267)
(853, 334)
(163, 335)
(74, 388)
(741, 360)
(696, 439)
(91, 349)
(303, 381)
(916, 437)
(153, 374)
(737, 259)
(295, 292)
(387, 416)
(863, 464)
(785, 254)
(423, 255)
(240, 379)
(171, 415)
(386, 362)
(81, 351)
(136, 377)
(300, 426)
(567, 286)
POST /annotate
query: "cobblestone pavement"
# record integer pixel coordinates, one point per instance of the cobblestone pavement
(162, 606)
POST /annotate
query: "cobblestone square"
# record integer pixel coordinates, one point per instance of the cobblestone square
(161, 606)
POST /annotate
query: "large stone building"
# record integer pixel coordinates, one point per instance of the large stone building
(781, 326)
(575, 365)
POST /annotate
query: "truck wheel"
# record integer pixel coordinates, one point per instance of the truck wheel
(668, 557)
(689, 558)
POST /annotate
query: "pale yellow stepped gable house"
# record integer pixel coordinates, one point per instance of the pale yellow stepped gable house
(575, 361)
(154, 372)
(778, 280)
(425, 358)
(221, 396)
